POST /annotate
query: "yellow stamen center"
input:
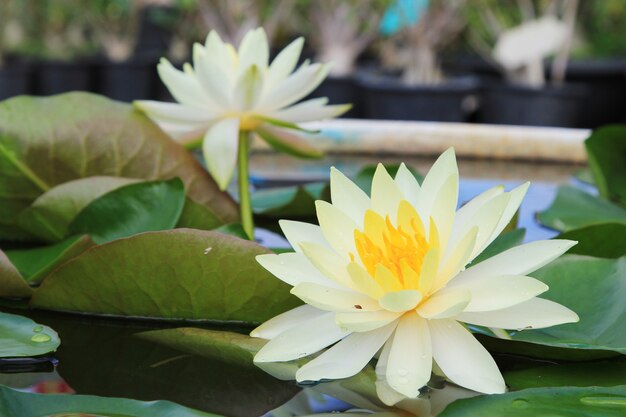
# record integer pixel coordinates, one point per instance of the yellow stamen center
(249, 122)
(400, 249)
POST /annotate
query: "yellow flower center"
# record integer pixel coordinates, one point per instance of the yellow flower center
(397, 249)
(249, 122)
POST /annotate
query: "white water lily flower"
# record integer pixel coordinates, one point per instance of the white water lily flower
(229, 91)
(388, 274)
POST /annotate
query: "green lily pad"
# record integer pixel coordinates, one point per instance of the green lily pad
(22, 337)
(50, 215)
(131, 209)
(600, 374)
(48, 141)
(545, 402)
(35, 264)
(574, 208)
(606, 240)
(197, 216)
(25, 404)
(606, 152)
(289, 202)
(174, 274)
(12, 284)
(595, 288)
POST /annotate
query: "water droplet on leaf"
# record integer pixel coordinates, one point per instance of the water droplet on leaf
(38, 329)
(40, 338)
(520, 403)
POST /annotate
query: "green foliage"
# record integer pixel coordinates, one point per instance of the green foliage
(22, 337)
(559, 401)
(173, 274)
(606, 149)
(24, 404)
(48, 142)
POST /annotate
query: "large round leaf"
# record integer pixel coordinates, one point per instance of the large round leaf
(22, 337)
(25, 404)
(51, 213)
(545, 402)
(131, 209)
(606, 148)
(604, 240)
(595, 288)
(48, 141)
(175, 274)
(574, 208)
(12, 284)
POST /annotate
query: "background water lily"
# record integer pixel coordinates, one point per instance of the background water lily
(230, 94)
(390, 274)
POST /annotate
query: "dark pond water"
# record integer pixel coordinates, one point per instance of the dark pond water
(105, 357)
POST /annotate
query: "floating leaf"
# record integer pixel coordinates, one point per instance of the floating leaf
(601, 374)
(197, 216)
(606, 152)
(50, 215)
(289, 202)
(25, 404)
(22, 337)
(233, 229)
(47, 141)
(560, 401)
(131, 209)
(174, 274)
(606, 240)
(574, 208)
(595, 289)
(12, 284)
(35, 264)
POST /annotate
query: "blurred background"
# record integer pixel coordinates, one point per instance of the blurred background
(521, 62)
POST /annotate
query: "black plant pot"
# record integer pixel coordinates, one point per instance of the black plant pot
(387, 97)
(127, 81)
(341, 90)
(14, 80)
(526, 106)
(60, 77)
(606, 90)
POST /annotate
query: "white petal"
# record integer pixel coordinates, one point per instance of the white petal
(299, 341)
(464, 361)
(296, 86)
(248, 89)
(338, 228)
(363, 282)
(219, 148)
(183, 87)
(348, 197)
(519, 260)
(466, 213)
(457, 260)
(216, 51)
(347, 357)
(214, 81)
(494, 293)
(298, 232)
(328, 263)
(253, 50)
(444, 305)
(275, 326)
(434, 180)
(386, 195)
(400, 301)
(535, 313)
(444, 208)
(174, 112)
(517, 195)
(284, 63)
(294, 269)
(366, 320)
(310, 110)
(387, 395)
(410, 358)
(332, 299)
(407, 184)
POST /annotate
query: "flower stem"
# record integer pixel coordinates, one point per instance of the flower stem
(245, 206)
